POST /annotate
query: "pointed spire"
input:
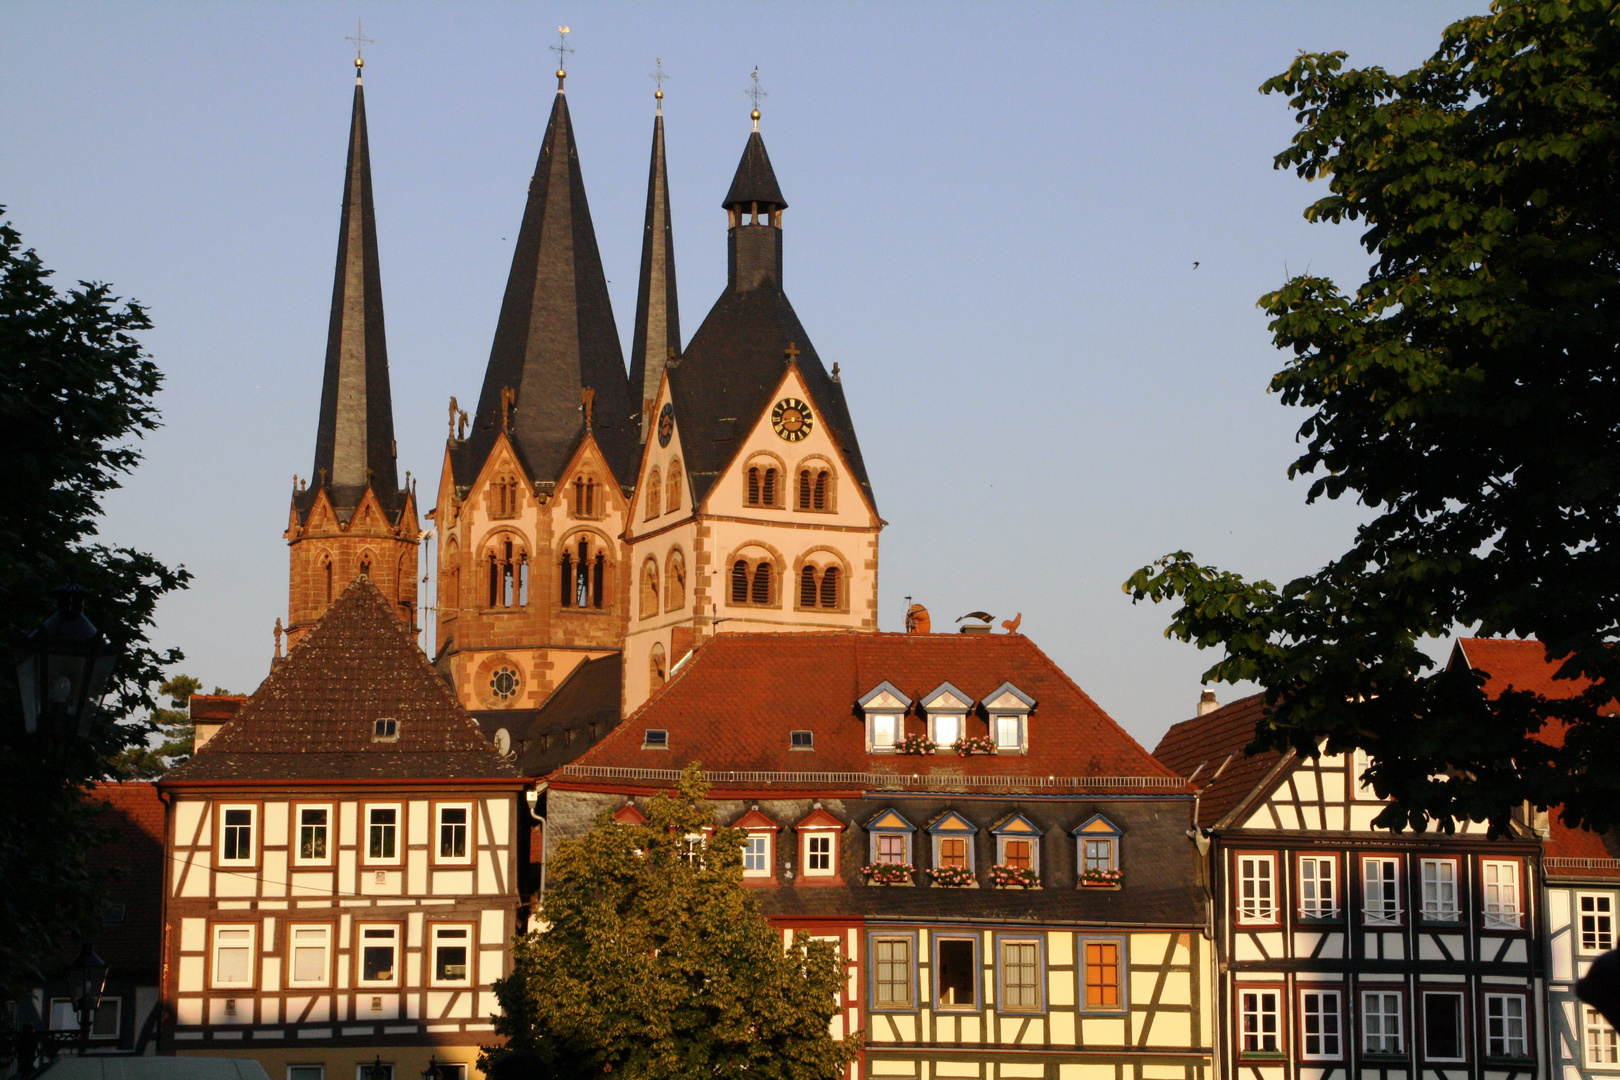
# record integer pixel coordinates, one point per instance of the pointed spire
(354, 443)
(754, 206)
(556, 333)
(658, 324)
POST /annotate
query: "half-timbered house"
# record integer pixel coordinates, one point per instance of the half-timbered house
(1018, 901)
(1345, 950)
(342, 862)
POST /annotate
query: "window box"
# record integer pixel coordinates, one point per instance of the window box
(915, 744)
(1014, 877)
(953, 877)
(974, 744)
(888, 873)
(1102, 879)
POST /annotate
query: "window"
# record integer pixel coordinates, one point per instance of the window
(1020, 975)
(1602, 1041)
(236, 834)
(947, 728)
(503, 497)
(382, 834)
(1381, 894)
(385, 730)
(649, 588)
(1009, 731)
(953, 851)
(1505, 1035)
(1381, 1022)
(655, 739)
(757, 855)
(675, 581)
(368, 1071)
(508, 566)
(956, 971)
(1017, 852)
(753, 582)
(1318, 892)
(654, 490)
(314, 833)
(818, 586)
(1099, 854)
(1501, 894)
(306, 1072)
(953, 842)
(882, 731)
(801, 740)
(452, 951)
(891, 849)
(1103, 975)
(891, 972)
(583, 572)
(1442, 1026)
(586, 497)
(233, 956)
(763, 485)
(815, 488)
(1440, 889)
(311, 948)
(1320, 1026)
(819, 855)
(672, 486)
(104, 1024)
(379, 948)
(1260, 1021)
(1597, 922)
(1257, 889)
(454, 822)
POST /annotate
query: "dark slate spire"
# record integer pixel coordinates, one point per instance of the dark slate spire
(556, 333)
(354, 445)
(658, 321)
(755, 181)
(754, 205)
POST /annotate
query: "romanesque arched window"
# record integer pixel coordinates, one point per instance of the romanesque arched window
(649, 588)
(503, 496)
(582, 571)
(652, 495)
(587, 497)
(657, 672)
(829, 588)
(506, 566)
(815, 486)
(763, 482)
(754, 578)
(821, 583)
(326, 570)
(672, 486)
(807, 587)
(739, 582)
(675, 581)
(760, 591)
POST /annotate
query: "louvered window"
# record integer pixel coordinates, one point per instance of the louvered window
(820, 498)
(739, 582)
(807, 587)
(804, 489)
(767, 488)
(753, 486)
(829, 587)
(761, 593)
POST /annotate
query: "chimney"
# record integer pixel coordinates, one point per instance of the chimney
(1207, 703)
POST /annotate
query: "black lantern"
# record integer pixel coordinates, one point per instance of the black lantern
(89, 975)
(378, 1071)
(432, 1072)
(63, 668)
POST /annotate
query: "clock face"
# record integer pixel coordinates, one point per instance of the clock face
(666, 424)
(792, 420)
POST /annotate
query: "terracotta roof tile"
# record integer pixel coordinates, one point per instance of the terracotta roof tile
(215, 708)
(1216, 741)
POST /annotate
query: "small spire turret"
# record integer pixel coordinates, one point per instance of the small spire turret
(658, 323)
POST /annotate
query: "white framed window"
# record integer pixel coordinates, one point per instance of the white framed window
(945, 728)
(1505, 1032)
(1021, 979)
(379, 954)
(1501, 894)
(1381, 891)
(1321, 1025)
(382, 833)
(237, 826)
(104, 1024)
(1602, 1041)
(1009, 730)
(882, 732)
(306, 1072)
(1439, 877)
(1318, 886)
(314, 844)
(1099, 853)
(452, 955)
(757, 855)
(1359, 762)
(1596, 911)
(233, 956)
(820, 852)
(454, 843)
(1443, 1038)
(369, 1070)
(1257, 889)
(311, 960)
(954, 849)
(1260, 1021)
(1381, 1025)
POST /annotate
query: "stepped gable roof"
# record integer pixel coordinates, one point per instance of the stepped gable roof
(315, 717)
(755, 180)
(1211, 739)
(731, 368)
(733, 704)
(556, 332)
(540, 737)
(135, 819)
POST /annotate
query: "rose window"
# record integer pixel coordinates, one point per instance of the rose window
(504, 683)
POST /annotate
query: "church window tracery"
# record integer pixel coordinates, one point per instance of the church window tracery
(503, 497)
(508, 574)
(649, 588)
(583, 570)
(675, 581)
(652, 495)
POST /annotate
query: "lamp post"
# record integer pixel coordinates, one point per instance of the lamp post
(88, 973)
(62, 670)
(378, 1071)
(432, 1072)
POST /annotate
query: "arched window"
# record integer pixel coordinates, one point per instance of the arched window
(767, 488)
(654, 490)
(508, 566)
(815, 487)
(656, 671)
(804, 489)
(819, 586)
(823, 482)
(582, 575)
(327, 569)
(675, 581)
(807, 587)
(503, 497)
(764, 484)
(587, 497)
(365, 564)
(753, 485)
(829, 587)
(649, 588)
(761, 591)
(739, 582)
(452, 573)
(672, 486)
(754, 576)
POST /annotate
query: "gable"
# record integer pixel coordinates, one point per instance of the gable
(889, 821)
(954, 823)
(1017, 825)
(664, 459)
(1321, 795)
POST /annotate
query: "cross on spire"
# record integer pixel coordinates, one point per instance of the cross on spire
(755, 92)
(360, 42)
(660, 76)
(792, 352)
(562, 50)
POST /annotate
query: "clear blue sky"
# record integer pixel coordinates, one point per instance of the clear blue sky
(995, 211)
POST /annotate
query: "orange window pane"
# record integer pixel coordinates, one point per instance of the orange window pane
(1102, 973)
(1016, 853)
(953, 852)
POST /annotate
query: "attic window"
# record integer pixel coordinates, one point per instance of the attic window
(802, 740)
(655, 739)
(385, 731)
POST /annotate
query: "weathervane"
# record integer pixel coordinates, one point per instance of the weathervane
(755, 92)
(562, 50)
(659, 77)
(360, 42)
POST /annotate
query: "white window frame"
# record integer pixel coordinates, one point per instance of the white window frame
(399, 834)
(110, 1005)
(1259, 1013)
(470, 827)
(1034, 843)
(1387, 879)
(308, 1071)
(958, 720)
(809, 852)
(311, 932)
(214, 947)
(363, 1071)
(330, 829)
(1021, 730)
(1262, 911)
(1497, 1012)
(873, 719)
(762, 837)
(252, 857)
(1462, 1022)
(452, 933)
(1334, 1015)
(1602, 919)
(1436, 910)
(1375, 1003)
(360, 947)
(1323, 871)
(1600, 1041)
(1503, 910)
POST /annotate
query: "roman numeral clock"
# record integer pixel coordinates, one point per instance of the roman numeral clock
(791, 419)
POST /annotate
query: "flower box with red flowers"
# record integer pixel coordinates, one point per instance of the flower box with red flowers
(1101, 879)
(888, 873)
(974, 744)
(952, 877)
(916, 744)
(1014, 877)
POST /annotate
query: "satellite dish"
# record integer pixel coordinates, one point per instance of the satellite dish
(503, 741)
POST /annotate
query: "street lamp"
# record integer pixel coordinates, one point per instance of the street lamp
(378, 1071)
(433, 1072)
(63, 668)
(88, 973)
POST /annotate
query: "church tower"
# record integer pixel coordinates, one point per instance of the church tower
(531, 504)
(352, 517)
(658, 320)
(752, 504)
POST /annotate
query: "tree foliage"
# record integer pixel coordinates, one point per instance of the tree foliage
(76, 391)
(653, 961)
(1468, 391)
(172, 728)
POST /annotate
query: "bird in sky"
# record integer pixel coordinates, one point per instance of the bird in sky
(1195, 265)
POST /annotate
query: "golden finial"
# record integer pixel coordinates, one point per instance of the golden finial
(755, 92)
(659, 77)
(360, 42)
(562, 50)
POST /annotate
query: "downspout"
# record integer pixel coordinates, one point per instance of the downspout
(532, 798)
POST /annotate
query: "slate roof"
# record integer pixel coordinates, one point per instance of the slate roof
(1216, 741)
(135, 818)
(658, 315)
(556, 332)
(314, 717)
(560, 729)
(734, 703)
(755, 180)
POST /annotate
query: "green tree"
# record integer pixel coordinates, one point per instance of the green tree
(173, 729)
(654, 962)
(76, 392)
(1467, 392)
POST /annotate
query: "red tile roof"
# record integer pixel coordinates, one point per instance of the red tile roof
(215, 708)
(1216, 741)
(135, 819)
(734, 703)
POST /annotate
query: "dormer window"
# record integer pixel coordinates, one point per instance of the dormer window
(953, 848)
(1097, 843)
(385, 730)
(889, 837)
(885, 708)
(1018, 844)
(655, 739)
(818, 848)
(759, 848)
(1008, 709)
(801, 740)
(947, 708)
